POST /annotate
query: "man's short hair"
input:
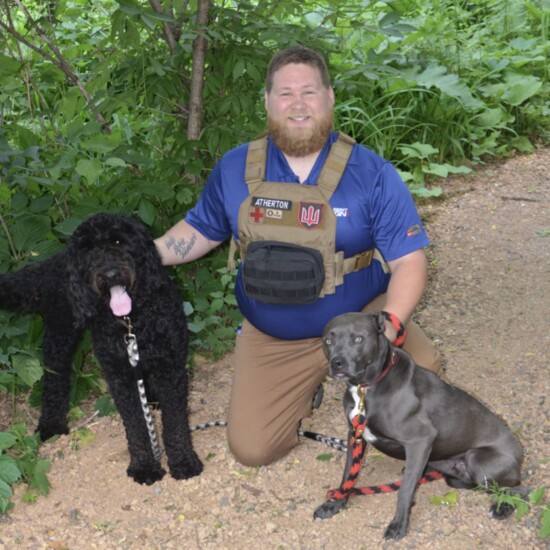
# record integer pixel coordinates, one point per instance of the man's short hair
(297, 54)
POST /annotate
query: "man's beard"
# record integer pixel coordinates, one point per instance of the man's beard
(300, 142)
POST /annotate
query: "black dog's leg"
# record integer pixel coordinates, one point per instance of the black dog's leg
(332, 507)
(59, 345)
(172, 394)
(143, 467)
(417, 454)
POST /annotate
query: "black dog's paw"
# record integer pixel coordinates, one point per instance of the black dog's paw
(49, 430)
(395, 530)
(189, 467)
(146, 476)
(329, 508)
(502, 510)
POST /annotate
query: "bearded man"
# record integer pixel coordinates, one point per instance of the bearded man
(324, 226)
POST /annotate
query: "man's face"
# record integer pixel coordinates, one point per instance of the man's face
(299, 110)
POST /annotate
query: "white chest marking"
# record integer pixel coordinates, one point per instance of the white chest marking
(367, 434)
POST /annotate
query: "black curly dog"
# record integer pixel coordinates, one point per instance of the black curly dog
(110, 269)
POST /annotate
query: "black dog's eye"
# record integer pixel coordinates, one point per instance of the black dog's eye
(358, 339)
(328, 341)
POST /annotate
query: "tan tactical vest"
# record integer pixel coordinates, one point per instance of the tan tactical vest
(297, 214)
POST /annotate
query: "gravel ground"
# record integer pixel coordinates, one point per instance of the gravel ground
(487, 308)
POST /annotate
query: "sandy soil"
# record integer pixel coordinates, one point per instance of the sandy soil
(487, 308)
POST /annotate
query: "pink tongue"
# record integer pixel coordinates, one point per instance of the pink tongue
(121, 303)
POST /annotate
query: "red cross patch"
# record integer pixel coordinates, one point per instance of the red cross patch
(256, 214)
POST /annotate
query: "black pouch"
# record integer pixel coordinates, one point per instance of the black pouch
(282, 273)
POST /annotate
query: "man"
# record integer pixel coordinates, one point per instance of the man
(279, 363)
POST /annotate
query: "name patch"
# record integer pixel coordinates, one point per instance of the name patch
(276, 204)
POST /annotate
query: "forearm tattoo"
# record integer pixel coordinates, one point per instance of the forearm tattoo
(181, 247)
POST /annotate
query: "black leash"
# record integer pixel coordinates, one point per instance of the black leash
(334, 442)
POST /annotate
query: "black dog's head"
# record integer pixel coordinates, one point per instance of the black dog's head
(355, 346)
(110, 260)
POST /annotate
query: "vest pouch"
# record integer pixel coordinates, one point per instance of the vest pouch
(282, 273)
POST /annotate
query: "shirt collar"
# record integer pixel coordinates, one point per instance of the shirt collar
(277, 168)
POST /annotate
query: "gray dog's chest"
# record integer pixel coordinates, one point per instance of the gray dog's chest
(359, 405)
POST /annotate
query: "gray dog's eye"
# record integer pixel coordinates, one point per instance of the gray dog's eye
(358, 339)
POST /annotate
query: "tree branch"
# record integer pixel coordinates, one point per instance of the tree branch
(168, 30)
(200, 45)
(58, 60)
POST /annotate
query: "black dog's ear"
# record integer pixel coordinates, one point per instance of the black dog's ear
(149, 265)
(82, 297)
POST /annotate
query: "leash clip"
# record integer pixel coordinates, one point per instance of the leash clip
(131, 344)
(361, 393)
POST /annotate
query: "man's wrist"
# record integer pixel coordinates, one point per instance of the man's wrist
(401, 333)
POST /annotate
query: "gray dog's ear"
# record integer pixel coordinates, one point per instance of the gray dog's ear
(380, 322)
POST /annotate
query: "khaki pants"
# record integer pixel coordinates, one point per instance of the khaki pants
(274, 384)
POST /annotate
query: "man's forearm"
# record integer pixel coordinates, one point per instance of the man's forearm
(407, 285)
(183, 243)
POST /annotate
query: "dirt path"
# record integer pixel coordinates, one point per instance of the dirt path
(488, 310)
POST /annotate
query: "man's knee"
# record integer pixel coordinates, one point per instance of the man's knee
(256, 451)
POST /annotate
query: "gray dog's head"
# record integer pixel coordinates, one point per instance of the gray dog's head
(352, 343)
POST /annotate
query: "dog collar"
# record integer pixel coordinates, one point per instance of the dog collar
(391, 362)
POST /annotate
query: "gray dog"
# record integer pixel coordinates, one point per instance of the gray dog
(415, 416)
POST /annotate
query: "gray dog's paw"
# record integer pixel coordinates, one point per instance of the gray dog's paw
(329, 508)
(396, 530)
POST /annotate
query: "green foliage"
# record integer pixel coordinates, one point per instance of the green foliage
(536, 499)
(20, 461)
(449, 499)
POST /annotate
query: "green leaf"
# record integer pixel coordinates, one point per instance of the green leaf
(9, 66)
(537, 495)
(9, 471)
(418, 150)
(27, 368)
(39, 478)
(115, 162)
(147, 211)
(7, 440)
(29, 231)
(5, 495)
(519, 88)
(324, 457)
(89, 169)
(105, 406)
(448, 499)
(545, 523)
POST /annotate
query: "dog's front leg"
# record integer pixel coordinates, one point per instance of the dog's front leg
(332, 506)
(417, 454)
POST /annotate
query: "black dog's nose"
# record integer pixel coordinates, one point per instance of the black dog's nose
(111, 274)
(337, 363)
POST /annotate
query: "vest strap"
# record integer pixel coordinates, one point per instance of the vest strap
(335, 164)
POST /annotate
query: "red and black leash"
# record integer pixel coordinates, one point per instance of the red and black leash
(358, 446)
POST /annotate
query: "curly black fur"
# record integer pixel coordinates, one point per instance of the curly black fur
(71, 292)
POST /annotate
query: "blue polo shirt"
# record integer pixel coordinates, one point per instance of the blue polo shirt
(373, 208)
